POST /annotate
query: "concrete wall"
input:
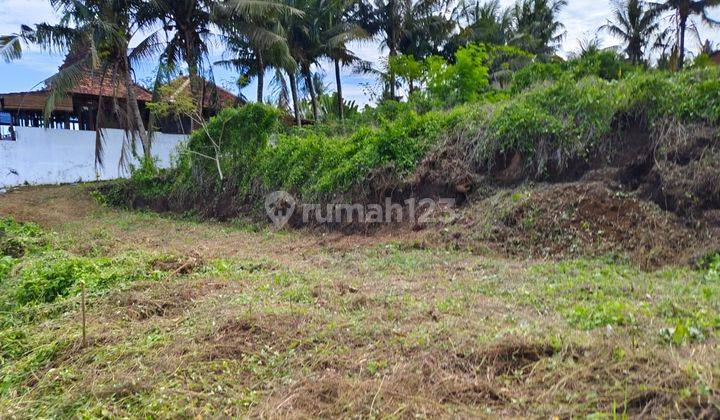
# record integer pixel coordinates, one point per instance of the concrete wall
(49, 156)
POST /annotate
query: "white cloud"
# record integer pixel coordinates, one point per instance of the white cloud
(24, 12)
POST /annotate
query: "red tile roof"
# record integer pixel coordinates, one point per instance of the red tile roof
(213, 95)
(94, 84)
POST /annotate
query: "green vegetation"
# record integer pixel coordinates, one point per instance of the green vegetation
(253, 315)
(561, 119)
(186, 317)
(318, 165)
(40, 281)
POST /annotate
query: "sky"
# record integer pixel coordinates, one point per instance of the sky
(581, 19)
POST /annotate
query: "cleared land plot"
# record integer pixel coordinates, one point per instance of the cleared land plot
(192, 319)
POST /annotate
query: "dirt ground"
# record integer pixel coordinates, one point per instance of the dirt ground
(556, 221)
(241, 320)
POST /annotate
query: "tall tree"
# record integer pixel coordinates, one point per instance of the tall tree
(684, 10)
(303, 40)
(340, 29)
(190, 23)
(487, 23)
(536, 26)
(634, 24)
(252, 57)
(97, 33)
(408, 27)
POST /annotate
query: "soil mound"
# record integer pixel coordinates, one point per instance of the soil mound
(580, 218)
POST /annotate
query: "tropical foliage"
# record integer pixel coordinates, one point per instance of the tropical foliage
(440, 53)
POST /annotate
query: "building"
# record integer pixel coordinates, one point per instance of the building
(214, 99)
(92, 101)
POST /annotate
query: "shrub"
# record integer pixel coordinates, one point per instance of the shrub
(533, 74)
(567, 119)
(606, 65)
(234, 138)
(560, 122)
(552, 125)
(315, 165)
(462, 81)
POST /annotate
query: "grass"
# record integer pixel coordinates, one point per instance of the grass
(277, 324)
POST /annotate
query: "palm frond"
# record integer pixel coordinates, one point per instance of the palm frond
(10, 47)
(62, 82)
(148, 48)
(256, 8)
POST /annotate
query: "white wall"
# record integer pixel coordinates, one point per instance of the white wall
(49, 156)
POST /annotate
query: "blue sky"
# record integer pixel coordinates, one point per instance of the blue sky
(581, 18)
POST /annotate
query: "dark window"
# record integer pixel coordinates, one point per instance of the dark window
(7, 132)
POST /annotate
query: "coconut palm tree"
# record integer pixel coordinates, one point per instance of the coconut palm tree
(487, 23)
(97, 34)
(303, 40)
(536, 26)
(684, 10)
(634, 24)
(324, 31)
(189, 25)
(252, 57)
(340, 29)
(409, 27)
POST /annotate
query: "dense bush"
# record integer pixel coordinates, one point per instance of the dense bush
(574, 119)
(535, 73)
(606, 65)
(318, 165)
(313, 162)
(462, 81)
(562, 120)
(229, 143)
(551, 124)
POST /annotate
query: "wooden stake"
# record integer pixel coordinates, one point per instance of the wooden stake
(82, 308)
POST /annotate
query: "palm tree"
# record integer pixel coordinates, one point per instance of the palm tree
(536, 26)
(634, 25)
(97, 33)
(404, 26)
(252, 57)
(191, 24)
(707, 47)
(684, 10)
(339, 31)
(281, 92)
(486, 23)
(664, 42)
(303, 40)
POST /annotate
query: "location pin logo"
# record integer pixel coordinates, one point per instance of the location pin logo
(280, 206)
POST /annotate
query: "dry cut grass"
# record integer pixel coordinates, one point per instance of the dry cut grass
(242, 321)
